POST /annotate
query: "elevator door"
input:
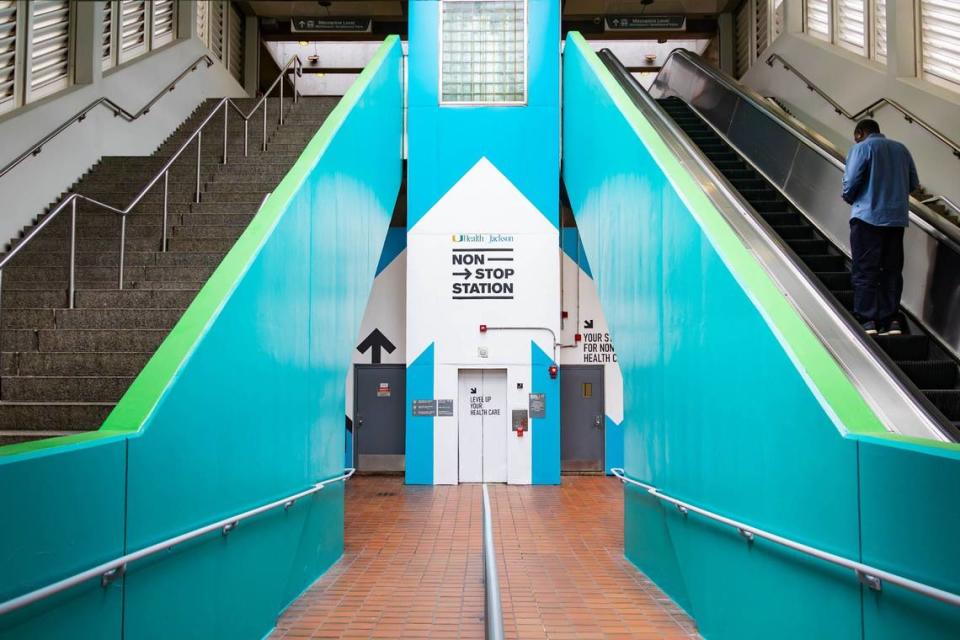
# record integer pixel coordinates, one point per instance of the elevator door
(581, 418)
(482, 425)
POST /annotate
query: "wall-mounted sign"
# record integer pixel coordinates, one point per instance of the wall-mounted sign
(383, 390)
(482, 272)
(331, 25)
(645, 23)
(445, 408)
(424, 408)
(538, 405)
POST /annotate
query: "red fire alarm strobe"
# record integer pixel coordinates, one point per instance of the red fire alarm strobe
(483, 328)
(553, 371)
(577, 337)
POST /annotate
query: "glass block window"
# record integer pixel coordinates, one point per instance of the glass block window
(483, 52)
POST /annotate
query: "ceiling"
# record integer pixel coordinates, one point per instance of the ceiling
(395, 9)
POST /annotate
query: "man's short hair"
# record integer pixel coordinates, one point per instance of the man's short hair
(867, 127)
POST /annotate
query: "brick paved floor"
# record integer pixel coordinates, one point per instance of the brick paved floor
(412, 567)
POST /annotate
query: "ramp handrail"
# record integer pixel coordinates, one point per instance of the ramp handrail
(113, 569)
(868, 575)
(117, 110)
(164, 172)
(492, 613)
(868, 110)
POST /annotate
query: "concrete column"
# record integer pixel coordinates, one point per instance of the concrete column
(793, 15)
(251, 55)
(88, 23)
(186, 19)
(725, 24)
(901, 39)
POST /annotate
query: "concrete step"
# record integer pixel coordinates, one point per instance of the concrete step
(83, 340)
(185, 244)
(69, 363)
(154, 220)
(133, 298)
(44, 417)
(209, 232)
(63, 388)
(123, 318)
(30, 257)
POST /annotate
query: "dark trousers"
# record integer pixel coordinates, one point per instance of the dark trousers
(877, 273)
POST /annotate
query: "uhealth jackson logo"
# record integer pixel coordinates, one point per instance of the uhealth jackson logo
(487, 238)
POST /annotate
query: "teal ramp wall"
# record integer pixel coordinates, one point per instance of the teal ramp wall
(732, 404)
(241, 405)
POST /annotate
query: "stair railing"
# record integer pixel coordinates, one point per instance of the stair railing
(868, 110)
(118, 112)
(870, 576)
(294, 64)
(114, 569)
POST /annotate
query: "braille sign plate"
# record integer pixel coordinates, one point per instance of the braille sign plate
(424, 408)
(538, 405)
(445, 408)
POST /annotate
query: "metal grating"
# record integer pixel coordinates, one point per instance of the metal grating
(483, 52)
(8, 54)
(940, 39)
(49, 46)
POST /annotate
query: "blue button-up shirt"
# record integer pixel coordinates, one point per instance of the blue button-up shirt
(878, 180)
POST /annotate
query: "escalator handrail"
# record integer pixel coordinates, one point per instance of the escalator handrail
(926, 218)
(909, 394)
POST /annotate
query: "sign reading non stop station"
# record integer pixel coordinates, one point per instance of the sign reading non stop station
(482, 273)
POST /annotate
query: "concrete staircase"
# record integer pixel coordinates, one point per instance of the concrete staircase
(63, 370)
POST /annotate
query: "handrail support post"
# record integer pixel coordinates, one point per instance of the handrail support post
(71, 293)
(166, 209)
(199, 149)
(123, 246)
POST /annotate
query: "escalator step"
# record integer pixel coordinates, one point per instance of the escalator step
(771, 206)
(810, 247)
(845, 298)
(739, 173)
(798, 232)
(746, 183)
(824, 262)
(948, 401)
(736, 165)
(783, 219)
(930, 374)
(905, 347)
(835, 280)
(722, 156)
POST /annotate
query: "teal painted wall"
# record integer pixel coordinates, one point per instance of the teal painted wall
(720, 412)
(252, 412)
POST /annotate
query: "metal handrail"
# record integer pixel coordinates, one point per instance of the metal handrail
(492, 612)
(117, 110)
(113, 569)
(950, 204)
(868, 575)
(868, 110)
(164, 173)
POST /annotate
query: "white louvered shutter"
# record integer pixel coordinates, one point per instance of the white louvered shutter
(880, 30)
(940, 39)
(777, 18)
(817, 20)
(203, 21)
(742, 26)
(164, 22)
(217, 28)
(50, 46)
(133, 29)
(8, 54)
(851, 26)
(762, 23)
(235, 46)
(107, 40)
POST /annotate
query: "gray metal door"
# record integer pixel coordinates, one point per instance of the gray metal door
(378, 417)
(581, 418)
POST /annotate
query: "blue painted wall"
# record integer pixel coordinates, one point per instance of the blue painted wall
(719, 414)
(252, 413)
(546, 430)
(419, 436)
(445, 142)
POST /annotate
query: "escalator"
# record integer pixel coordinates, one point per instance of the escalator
(921, 360)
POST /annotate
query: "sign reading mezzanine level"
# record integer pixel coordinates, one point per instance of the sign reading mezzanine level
(482, 271)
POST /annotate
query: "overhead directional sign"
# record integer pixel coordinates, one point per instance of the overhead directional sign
(315, 24)
(646, 23)
(376, 343)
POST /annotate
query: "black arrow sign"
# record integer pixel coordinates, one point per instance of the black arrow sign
(466, 273)
(588, 324)
(473, 390)
(375, 343)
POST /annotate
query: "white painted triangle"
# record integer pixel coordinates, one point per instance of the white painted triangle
(483, 201)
